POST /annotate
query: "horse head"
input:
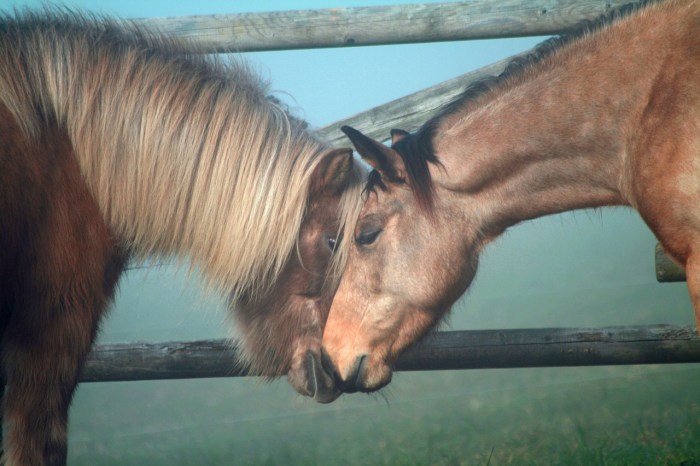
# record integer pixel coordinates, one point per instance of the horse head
(405, 266)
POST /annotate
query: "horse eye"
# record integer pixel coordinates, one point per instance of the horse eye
(367, 237)
(332, 243)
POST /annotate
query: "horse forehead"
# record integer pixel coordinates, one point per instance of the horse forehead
(394, 198)
(323, 207)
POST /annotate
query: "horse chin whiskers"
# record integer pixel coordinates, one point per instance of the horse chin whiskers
(385, 394)
(382, 394)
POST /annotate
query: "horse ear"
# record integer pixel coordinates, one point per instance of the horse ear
(331, 173)
(384, 159)
(397, 135)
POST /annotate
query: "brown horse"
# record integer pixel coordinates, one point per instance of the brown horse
(607, 116)
(117, 143)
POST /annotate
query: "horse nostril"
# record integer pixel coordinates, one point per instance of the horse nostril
(329, 367)
(353, 381)
(355, 376)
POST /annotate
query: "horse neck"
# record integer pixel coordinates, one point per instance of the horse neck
(558, 136)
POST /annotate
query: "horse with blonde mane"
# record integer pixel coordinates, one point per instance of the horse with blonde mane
(117, 143)
(605, 116)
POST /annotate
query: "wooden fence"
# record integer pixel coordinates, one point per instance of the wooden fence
(411, 23)
(478, 349)
(343, 27)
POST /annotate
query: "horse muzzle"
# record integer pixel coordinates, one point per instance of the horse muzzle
(310, 379)
(360, 376)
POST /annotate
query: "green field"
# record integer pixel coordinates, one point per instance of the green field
(621, 416)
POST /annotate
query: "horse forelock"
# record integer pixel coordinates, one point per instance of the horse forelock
(185, 155)
(351, 202)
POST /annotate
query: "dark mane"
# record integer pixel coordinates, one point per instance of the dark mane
(417, 150)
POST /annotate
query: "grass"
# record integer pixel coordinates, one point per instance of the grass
(581, 416)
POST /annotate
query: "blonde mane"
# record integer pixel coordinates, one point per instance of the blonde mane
(184, 154)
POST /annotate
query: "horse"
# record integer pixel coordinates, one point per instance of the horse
(120, 144)
(608, 115)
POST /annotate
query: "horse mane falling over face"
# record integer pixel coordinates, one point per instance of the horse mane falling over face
(118, 143)
(608, 116)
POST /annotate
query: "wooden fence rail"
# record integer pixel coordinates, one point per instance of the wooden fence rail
(412, 23)
(479, 349)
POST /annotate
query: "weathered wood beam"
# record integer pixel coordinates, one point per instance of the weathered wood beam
(396, 24)
(554, 347)
(411, 111)
(480, 349)
(166, 360)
